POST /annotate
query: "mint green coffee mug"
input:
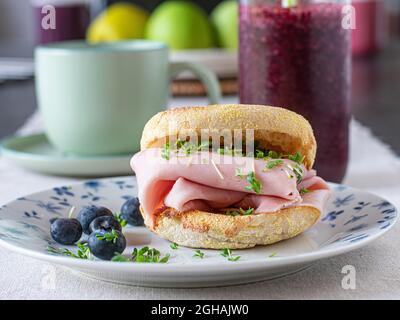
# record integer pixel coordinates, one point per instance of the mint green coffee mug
(96, 99)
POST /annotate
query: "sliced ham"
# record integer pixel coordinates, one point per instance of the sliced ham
(184, 192)
(316, 199)
(198, 182)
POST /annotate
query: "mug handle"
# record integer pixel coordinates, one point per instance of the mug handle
(206, 76)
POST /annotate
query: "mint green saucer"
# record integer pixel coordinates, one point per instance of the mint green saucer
(35, 152)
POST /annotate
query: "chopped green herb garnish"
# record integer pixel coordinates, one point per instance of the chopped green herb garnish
(273, 154)
(227, 253)
(230, 151)
(143, 255)
(184, 146)
(121, 221)
(174, 246)
(259, 154)
(204, 145)
(239, 212)
(255, 184)
(180, 143)
(198, 254)
(304, 191)
(273, 254)
(239, 173)
(165, 152)
(247, 212)
(296, 158)
(273, 163)
(148, 255)
(63, 251)
(108, 236)
(226, 151)
(120, 258)
(188, 148)
(82, 253)
(233, 213)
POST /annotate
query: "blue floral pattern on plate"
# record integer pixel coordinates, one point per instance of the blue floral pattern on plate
(351, 217)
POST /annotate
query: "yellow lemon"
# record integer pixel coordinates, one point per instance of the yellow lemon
(120, 21)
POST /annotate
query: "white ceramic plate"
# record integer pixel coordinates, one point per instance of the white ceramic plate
(34, 152)
(352, 219)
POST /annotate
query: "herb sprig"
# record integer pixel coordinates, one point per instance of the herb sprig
(304, 191)
(183, 146)
(227, 253)
(239, 212)
(273, 163)
(121, 220)
(83, 251)
(143, 255)
(296, 158)
(149, 255)
(174, 246)
(165, 151)
(120, 258)
(255, 184)
(108, 236)
(260, 154)
(198, 254)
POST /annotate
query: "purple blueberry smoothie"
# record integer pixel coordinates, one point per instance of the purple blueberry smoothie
(299, 58)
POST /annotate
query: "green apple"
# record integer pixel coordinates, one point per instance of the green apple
(119, 22)
(225, 20)
(181, 25)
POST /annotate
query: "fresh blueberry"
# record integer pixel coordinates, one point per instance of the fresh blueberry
(106, 223)
(131, 213)
(66, 231)
(53, 219)
(105, 245)
(88, 214)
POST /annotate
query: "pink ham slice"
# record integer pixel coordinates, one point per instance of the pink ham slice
(188, 183)
(185, 194)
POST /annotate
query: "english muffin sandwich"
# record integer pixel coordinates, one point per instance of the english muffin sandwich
(228, 176)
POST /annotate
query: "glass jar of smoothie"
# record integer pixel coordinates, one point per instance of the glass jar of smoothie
(296, 54)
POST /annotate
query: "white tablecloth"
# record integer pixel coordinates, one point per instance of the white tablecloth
(373, 167)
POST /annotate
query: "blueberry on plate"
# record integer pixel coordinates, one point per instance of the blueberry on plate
(131, 213)
(88, 214)
(53, 219)
(105, 245)
(66, 231)
(106, 223)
